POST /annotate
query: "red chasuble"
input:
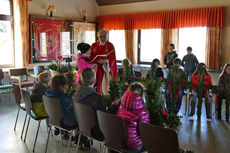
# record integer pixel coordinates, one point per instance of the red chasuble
(97, 49)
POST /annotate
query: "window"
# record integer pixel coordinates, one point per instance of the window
(149, 45)
(83, 32)
(117, 38)
(6, 36)
(194, 37)
(65, 45)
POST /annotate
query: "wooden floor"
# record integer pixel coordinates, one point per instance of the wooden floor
(205, 136)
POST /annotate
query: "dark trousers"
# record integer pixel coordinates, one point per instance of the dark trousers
(219, 104)
(168, 99)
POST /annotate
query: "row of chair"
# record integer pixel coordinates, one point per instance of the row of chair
(27, 107)
(155, 139)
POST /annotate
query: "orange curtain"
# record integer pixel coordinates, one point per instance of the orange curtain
(23, 6)
(168, 36)
(198, 17)
(130, 45)
(213, 48)
(21, 28)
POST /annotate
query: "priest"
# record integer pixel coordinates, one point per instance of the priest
(107, 67)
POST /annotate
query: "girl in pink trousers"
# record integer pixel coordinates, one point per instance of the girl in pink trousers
(132, 111)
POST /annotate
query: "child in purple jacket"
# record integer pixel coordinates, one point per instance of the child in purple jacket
(132, 111)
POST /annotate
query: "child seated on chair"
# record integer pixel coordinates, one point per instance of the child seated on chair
(86, 94)
(224, 86)
(132, 111)
(201, 77)
(159, 73)
(38, 91)
(58, 85)
(126, 72)
(175, 84)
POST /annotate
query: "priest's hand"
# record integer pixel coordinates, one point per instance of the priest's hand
(94, 65)
(102, 61)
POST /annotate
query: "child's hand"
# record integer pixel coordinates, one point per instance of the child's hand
(102, 61)
(94, 65)
(126, 83)
(115, 102)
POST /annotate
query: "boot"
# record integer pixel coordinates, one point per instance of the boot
(207, 105)
(193, 104)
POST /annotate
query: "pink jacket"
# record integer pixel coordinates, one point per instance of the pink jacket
(82, 64)
(132, 111)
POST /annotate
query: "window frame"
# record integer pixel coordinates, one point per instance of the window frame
(118, 61)
(10, 18)
(139, 49)
(178, 44)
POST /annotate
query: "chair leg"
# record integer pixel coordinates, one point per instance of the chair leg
(104, 150)
(39, 122)
(27, 129)
(78, 142)
(10, 94)
(186, 102)
(47, 141)
(15, 124)
(70, 136)
(47, 125)
(23, 126)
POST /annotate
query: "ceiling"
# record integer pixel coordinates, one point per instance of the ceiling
(113, 2)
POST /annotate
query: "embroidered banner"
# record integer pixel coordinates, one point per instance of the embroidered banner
(47, 38)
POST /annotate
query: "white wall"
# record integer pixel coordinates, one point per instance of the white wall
(66, 8)
(172, 5)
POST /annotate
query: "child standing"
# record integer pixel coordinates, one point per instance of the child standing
(132, 111)
(83, 61)
(189, 62)
(38, 91)
(223, 84)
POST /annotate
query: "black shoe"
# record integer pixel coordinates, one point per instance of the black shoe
(85, 146)
(219, 118)
(56, 131)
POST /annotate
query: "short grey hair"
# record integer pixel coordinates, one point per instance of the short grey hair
(102, 31)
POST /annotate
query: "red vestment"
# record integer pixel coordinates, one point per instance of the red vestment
(97, 49)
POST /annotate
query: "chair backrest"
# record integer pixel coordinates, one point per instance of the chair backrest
(18, 71)
(53, 109)
(137, 74)
(26, 98)
(17, 94)
(157, 139)
(85, 118)
(38, 69)
(113, 128)
(1, 74)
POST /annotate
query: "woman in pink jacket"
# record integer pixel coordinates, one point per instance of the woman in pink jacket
(83, 61)
(132, 111)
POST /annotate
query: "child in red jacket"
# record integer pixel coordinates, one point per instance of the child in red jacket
(206, 82)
